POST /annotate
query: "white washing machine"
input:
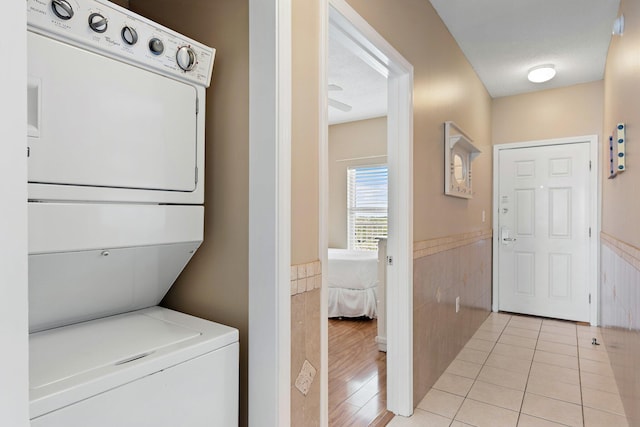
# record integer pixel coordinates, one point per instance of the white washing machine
(116, 170)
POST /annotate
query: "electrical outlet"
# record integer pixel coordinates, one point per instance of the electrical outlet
(484, 216)
(457, 304)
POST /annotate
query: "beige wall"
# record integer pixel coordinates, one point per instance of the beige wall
(620, 213)
(305, 119)
(351, 144)
(620, 204)
(123, 3)
(215, 283)
(555, 113)
(445, 88)
(305, 129)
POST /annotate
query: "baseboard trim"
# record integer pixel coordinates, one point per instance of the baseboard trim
(382, 419)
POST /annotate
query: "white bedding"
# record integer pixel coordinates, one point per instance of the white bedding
(353, 281)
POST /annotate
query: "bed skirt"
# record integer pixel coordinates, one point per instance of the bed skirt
(352, 302)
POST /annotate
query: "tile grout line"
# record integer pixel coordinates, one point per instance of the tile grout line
(501, 331)
(482, 366)
(526, 385)
(453, 419)
(531, 366)
(580, 377)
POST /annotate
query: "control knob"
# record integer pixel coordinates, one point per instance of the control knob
(129, 35)
(186, 58)
(62, 9)
(98, 23)
(156, 46)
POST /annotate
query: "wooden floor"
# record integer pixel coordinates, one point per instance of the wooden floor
(357, 374)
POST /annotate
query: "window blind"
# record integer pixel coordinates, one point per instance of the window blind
(367, 200)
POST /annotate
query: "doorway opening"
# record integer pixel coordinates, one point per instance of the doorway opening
(356, 35)
(358, 228)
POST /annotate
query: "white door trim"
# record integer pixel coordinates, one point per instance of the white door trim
(594, 214)
(376, 51)
(323, 205)
(269, 212)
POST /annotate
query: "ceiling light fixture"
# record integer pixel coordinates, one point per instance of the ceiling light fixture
(541, 73)
(618, 26)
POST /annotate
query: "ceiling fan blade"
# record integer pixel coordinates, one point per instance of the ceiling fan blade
(339, 105)
(333, 87)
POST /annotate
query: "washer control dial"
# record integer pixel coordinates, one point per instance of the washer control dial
(62, 9)
(98, 23)
(129, 35)
(186, 58)
(156, 46)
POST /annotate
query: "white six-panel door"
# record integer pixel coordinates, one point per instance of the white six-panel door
(543, 230)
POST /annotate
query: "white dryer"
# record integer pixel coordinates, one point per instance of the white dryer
(116, 171)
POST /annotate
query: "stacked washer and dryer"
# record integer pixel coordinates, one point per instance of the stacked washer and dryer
(116, 172)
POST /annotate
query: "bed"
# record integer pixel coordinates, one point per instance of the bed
(352, 283)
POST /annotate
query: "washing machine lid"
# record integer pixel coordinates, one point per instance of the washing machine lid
(79, 361)
(84, 347)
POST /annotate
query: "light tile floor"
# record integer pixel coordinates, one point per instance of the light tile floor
(526, 372)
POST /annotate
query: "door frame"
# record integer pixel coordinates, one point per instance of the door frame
(269, 213)
(377, 52)
(594, 215)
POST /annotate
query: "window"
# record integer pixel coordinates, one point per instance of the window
(367, 189)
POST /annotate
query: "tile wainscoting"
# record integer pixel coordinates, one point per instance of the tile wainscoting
(620, 317)
(444, 269)
(306, 280)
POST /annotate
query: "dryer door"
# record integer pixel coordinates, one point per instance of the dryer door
(95, 121)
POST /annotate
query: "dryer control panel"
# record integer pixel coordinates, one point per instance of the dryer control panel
(110, 30)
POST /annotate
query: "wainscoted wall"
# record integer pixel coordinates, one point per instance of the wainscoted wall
(306, 280)
(305, 267)
(619, 308)
(443, 269)
(620, 261)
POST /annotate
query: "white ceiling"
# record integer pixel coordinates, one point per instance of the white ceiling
(363, 88)
(502, 39)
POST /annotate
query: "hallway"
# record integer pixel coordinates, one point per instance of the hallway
(524, 371)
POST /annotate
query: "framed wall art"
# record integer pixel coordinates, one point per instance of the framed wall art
(459, 153)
